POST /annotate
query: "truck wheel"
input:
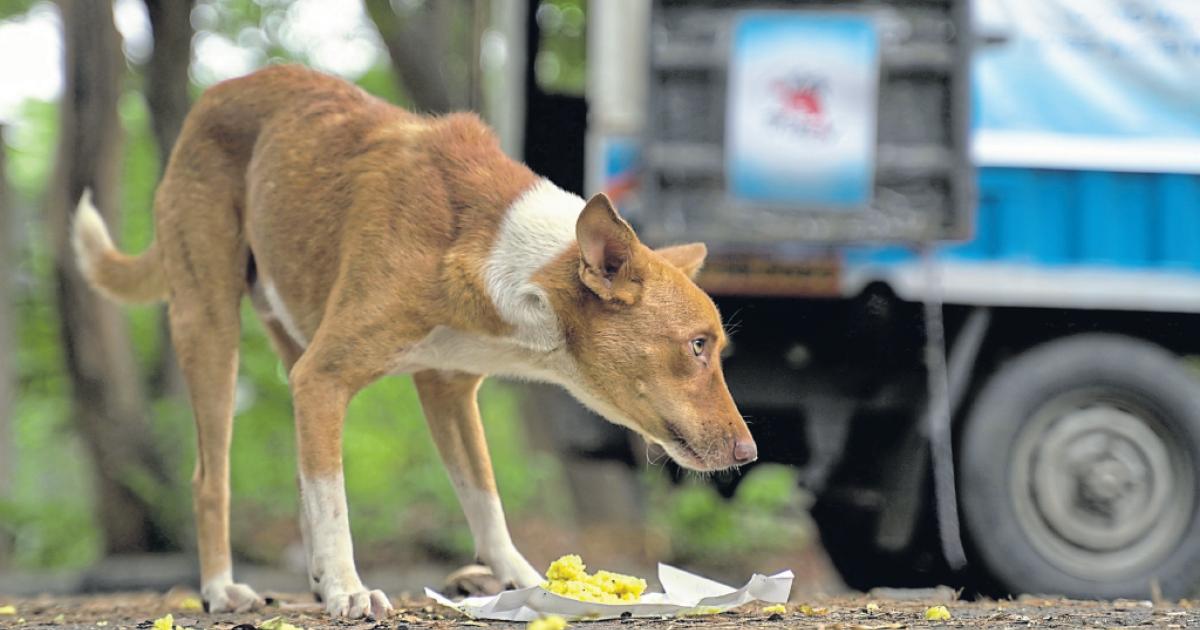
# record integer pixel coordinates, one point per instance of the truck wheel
(1079, 467)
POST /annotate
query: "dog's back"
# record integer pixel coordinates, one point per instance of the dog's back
(271, 167)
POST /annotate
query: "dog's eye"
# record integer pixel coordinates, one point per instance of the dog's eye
(698, 346)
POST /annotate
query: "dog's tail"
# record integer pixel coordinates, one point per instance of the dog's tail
(119, 276)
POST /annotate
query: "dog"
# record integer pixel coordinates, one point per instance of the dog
(373, 241)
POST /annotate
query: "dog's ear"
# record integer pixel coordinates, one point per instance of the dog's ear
(607, 247)
(686, 258)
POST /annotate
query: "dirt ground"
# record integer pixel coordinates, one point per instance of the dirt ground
(139, 610)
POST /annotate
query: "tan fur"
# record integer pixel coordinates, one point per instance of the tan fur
(371, 226)
(122, 278)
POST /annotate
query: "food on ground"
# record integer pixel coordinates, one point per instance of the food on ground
(276, 623)
(568, 577)
(550, 622)
(937, 613)
(777, 608)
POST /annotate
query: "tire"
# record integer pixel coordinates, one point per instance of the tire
(1080, 471)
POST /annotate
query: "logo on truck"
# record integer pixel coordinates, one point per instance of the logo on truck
(800, 106)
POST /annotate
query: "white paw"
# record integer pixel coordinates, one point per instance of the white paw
(231, 597)
(511, 568)
(369, 604)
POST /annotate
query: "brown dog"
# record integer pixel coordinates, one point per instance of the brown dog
(373, 241)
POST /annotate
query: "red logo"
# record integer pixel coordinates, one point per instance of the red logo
(800, 105)
(803, 99)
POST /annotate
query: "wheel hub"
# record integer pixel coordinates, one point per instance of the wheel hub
(1102, 488)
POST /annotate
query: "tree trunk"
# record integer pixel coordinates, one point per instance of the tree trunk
(108, 404)
(167, 95)
(167, 71)
(421, 45)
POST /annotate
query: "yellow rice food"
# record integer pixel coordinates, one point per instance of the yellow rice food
(568, 577)
(551, 622)
(937, 613)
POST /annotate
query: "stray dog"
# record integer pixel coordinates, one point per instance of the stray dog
(373, 241)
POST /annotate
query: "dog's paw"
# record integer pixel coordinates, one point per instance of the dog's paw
(472, 580)
(369, 604)
(231, 597)
(513, 570)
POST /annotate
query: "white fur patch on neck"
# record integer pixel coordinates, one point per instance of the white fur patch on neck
(537, 227)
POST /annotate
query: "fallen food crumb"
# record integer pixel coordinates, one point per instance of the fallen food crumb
(777, 608)
(568, 577)
(166, 622)
(8, 610)
(191, 603)
(549, 622)
(809, 611)
(937, 613)
(275, 623)
(872, 607)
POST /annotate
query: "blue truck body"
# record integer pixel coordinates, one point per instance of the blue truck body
(1086, 134)
(1060, 238)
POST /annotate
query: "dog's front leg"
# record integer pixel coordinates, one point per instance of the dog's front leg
(320, 402)
(452, 412)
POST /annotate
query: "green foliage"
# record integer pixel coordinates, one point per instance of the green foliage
(30, 145)
(767, 513)
(381, 81)
(14, 8)
(560, 63)
(47, 516)
(249, 23)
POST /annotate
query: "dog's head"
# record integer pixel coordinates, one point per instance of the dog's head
(647, 344)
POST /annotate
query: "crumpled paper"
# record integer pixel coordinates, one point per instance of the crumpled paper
(684, 594)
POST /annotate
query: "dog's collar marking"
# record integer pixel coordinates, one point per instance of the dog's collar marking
(536, 228)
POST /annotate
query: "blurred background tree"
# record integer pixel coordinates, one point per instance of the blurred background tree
(96, 440)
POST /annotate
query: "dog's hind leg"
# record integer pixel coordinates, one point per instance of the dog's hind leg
(289, 352)
(452, 412)
(204, 259)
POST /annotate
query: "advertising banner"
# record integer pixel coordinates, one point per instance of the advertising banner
(1088, 84)
(801, 110)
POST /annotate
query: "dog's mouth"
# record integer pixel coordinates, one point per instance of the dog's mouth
(682, 444)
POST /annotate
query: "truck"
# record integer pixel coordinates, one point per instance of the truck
(960, 243)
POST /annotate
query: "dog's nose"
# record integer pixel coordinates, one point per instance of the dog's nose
(745, 450)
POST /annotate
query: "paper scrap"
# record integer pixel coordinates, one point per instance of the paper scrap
(684, 594)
